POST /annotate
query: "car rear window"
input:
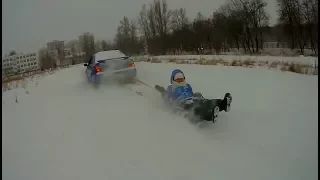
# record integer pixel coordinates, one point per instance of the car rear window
(120, 58)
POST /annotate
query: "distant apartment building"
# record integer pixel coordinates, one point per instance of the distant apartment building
(67, 51)
(9, 65)
(88, 39)
(74, 52)
(74, 45)
(20, 63)
(42, 52)
(56, 59)
(27, 62)
(55, 45)
(58, 46)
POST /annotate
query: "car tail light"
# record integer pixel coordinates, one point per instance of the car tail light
(132, 65)
(98, 69)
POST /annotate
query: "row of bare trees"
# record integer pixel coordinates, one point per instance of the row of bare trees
(299, 19)
(240, 24)
(236, 24)
(126, 38)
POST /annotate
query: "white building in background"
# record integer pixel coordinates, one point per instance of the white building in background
(20, 63)
(8, 62)
(9, 65)
(27, 62)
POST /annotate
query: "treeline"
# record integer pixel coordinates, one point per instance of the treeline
(237, 24)
(299, 21)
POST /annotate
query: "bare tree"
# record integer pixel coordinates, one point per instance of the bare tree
(246, 20)
(110, 45)
(134, 37)
(258, 18)
(151, 18)
(8, 71)
(299, 19)
(201, 27)
(161, 16)
(97, 46)
(310, 15)
(236, 24)
(126, 38)
(179, 19)
(143, 22)
(12, 53)
(153, 24)
(73, 53)
(88, 44)
(46, 60)
(123, 35)
(290, 16)
(104, 45)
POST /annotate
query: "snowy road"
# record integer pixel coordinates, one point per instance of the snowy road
(64, 129)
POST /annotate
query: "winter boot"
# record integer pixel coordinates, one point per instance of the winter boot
(215, 113)
(226, 102)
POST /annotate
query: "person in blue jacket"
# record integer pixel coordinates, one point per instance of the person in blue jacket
(180, 93)
(179, 90)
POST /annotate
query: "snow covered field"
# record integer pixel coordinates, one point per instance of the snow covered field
(65, 129)
(307, 60)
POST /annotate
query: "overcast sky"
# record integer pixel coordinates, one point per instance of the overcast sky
(28, 25)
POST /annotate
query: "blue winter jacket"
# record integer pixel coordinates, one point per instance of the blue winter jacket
(179, 94)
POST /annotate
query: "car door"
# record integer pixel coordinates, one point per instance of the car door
(90, 67)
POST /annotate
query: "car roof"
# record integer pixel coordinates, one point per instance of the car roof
(103, 55)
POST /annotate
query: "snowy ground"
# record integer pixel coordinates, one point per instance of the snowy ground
(306, 60)
(269, 50)
(65, 129)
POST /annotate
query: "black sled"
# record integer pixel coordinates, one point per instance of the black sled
(200, 108)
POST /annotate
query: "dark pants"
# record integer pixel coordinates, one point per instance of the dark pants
(222, 103)
(204, 107)
(201, 106)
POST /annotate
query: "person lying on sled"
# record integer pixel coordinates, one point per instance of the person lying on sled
(180, 93)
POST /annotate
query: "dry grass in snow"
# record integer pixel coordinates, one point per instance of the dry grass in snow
(301, 65)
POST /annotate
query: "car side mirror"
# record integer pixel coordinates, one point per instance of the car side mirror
(85, 64)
